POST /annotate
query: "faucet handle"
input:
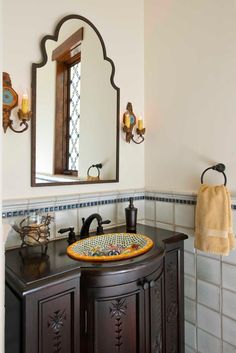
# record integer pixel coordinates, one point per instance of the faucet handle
(100, 228)
(105, 222)
(71, 236)
(83, 220)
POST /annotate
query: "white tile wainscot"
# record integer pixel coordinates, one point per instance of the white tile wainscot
(210, 280)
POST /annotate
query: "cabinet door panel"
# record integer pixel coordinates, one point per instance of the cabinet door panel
(55, 324)
(172, 316)
(156, 314)
(115, 319)
(116, 325)
(52, 319)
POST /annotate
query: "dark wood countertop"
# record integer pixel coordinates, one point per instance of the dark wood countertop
(33, 270)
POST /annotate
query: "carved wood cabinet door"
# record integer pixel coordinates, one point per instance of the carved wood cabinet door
(114, 319)
(174, 301)
(155, 333)
(52, 319)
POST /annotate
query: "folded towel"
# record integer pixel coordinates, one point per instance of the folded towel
(213, 220)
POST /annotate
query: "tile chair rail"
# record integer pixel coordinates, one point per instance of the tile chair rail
(12, 211)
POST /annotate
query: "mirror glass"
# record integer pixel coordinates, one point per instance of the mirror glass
(75, 105)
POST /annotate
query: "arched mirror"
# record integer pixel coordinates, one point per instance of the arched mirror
(75, 105)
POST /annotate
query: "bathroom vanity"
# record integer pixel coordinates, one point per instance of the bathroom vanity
(55, 304)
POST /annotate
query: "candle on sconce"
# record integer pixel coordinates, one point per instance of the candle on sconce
(25, 103)
(140, 123)
(127, 120)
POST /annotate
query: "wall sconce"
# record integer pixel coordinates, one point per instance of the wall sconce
(10, 101)
(129, 120)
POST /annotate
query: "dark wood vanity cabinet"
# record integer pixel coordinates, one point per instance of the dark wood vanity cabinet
(132, 306)
(47, 318)
(126, 317)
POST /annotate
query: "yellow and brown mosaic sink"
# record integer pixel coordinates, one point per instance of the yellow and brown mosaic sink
(110, 247)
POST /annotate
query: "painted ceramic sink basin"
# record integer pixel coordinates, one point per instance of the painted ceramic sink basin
(110, 247)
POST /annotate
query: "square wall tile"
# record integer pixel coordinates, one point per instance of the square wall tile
(6, 228)
(150, 223)
(150, 213)
(121, 212)
(234, 220)
(165, 212)
(231, 258)
(142, 221)
(228, 276)
(189, 264)
(229, 304)
(189, 244)
(12, 238)
(227, 348)
(208, 294)
(85, 212)
(165, 226)
(209, 320)
(66, 219)
(108, 212)
(190, 287)
(190, 310)
(229, 330)
(190, 335)
(208, 269)
(184, 215)
(208, 343)
(189, 350)
(140, 205)
(212, 256)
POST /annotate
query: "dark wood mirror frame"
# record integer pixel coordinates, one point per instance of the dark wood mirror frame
(35, 66)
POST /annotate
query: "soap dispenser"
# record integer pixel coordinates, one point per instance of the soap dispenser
(131, 217)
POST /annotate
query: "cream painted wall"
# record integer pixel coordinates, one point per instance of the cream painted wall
(190, 92)
(121, 25)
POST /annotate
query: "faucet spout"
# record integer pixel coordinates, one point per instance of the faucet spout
(84, 233)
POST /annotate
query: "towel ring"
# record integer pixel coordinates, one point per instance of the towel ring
(98, 166)
(219, 168)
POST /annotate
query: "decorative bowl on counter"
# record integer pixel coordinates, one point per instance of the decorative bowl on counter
(34, 230)
(110, 247)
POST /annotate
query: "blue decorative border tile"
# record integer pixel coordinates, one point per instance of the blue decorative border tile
(63, 207)
(170, 200)
(155, 196)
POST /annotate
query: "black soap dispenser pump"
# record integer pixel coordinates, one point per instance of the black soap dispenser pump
(131, 217)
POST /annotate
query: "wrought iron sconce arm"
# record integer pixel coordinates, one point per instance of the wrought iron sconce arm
(129, 120)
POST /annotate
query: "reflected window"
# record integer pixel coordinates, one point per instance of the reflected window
(67, 122)
(74, 117)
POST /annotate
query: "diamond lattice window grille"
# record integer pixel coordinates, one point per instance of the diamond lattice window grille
(74, 117)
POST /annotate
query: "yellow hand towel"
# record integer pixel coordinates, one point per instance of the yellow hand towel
(213, 220)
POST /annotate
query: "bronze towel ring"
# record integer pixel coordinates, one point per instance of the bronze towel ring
(219, 168)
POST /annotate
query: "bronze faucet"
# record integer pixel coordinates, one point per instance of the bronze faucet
(84, 233)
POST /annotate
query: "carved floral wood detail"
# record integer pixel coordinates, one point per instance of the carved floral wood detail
(118, 309)
(172, 312)
(55, 324)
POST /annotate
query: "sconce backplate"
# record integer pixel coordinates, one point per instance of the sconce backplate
(10, 100)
